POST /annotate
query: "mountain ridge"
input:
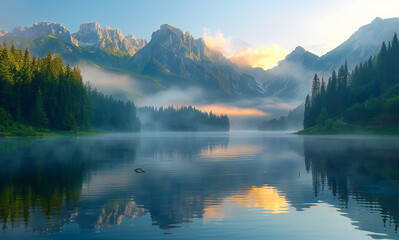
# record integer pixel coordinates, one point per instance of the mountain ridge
(291, 78)
(174, 58)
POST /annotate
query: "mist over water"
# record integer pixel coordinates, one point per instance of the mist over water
(208, 185)
(127, 87)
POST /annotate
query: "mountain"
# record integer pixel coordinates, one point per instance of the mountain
(171, 58)
(365, 99)
(175, 57)
(291, 78)
(91, 35)
(43, 29)
(364, 43)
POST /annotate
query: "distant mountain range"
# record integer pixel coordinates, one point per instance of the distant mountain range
(171, 58)
(174, 58)
(292, 77)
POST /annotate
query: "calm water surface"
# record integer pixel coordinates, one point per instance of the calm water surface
(252, 185)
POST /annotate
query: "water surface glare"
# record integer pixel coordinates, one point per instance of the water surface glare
(253, 185)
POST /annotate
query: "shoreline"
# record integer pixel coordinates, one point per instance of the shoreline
(56, 133)
(349, 129)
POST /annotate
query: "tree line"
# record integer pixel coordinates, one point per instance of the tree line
(368, 95)
(46, 94)
(185, 118)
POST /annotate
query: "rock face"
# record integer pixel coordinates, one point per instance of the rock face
(44, 29)
(136, 43)
(111, 40)
(181, 59)
(3, 32)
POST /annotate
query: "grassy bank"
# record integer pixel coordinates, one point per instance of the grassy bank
(339, 127)
(20, 130)
(49, 133)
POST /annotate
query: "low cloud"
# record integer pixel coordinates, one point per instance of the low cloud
(121, 86)
(173, 96)
(242, 53)
(216, 41)
(267, 57)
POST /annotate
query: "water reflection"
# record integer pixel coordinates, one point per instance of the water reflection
(41, 179)
(267, 198)
(47, 185)
(363, 174)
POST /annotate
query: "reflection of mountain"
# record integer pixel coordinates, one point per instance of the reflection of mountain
(89, 182)
(182, 187)
(171, 197)
(362, 174)
(110, 215)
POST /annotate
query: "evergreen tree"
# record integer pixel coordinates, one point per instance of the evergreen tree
(367, 95)
(45, 93)
(38, 116)
(306, 119)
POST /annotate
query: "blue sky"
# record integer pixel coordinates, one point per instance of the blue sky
(318, 26)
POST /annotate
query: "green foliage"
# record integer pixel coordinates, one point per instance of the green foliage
(111, 114)
(369, 95)
(323, 117)
(44, 93)
(10, 128)
(38, 117)
(186, 118)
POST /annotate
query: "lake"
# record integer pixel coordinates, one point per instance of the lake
(253, 185)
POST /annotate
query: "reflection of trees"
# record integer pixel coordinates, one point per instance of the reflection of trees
(46, 175)
(41, 179)
(165, 146)
(365, 169)
(176, 198)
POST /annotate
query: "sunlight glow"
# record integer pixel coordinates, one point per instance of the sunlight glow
(231, 111)
(264, 197)
(266, 57)
(216, 41)
(268, 198)
(216, 153)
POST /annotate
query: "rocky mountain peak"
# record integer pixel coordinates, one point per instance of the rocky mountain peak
(300, 55)
(91, 34)
(181, 44)
(43, 29)
(299, 50)
(137, 43)
(130, 36)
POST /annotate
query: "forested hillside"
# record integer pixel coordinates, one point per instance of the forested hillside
(45, 94)
(186, 118)
(367, 96)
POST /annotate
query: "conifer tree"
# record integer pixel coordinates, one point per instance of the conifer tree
(38, 116)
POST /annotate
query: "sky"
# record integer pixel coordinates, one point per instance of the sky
(254, 32)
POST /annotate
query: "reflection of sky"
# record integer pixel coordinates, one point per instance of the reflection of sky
(266, 198)
(256, 187)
